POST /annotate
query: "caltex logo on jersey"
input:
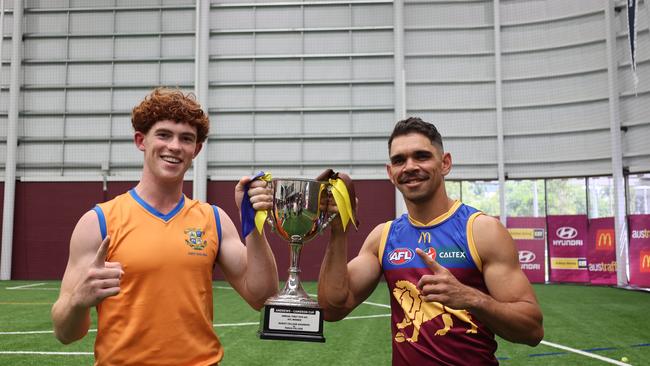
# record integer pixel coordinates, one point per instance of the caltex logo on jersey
(195, 238)
(400, 256)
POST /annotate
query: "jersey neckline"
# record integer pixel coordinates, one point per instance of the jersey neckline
(165, 217)
(438, 219)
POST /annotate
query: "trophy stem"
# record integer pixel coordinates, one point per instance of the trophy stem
(293, 287)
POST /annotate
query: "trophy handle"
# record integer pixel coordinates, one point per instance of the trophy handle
(331, 217)
(328, 222)
(269, 220)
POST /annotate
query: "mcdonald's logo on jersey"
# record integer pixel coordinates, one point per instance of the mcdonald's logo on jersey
(644, 256)
(425, 237)
(605, 240)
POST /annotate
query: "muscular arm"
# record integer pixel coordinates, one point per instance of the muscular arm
(342, 286)
(87, 280)
(510, 309)
(250, 268)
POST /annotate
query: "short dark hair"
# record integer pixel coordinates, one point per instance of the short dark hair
(416, 125)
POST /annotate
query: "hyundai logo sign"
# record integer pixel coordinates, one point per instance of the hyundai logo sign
(566, 232)
(526, 256)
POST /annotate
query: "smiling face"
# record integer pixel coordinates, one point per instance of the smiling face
(169, 148)
(417, 167)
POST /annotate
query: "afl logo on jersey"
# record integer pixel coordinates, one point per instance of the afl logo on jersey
(400, 256)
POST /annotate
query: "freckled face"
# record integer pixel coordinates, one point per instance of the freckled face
(169, 148)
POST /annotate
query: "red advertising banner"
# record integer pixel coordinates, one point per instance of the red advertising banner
(602, 251)
(529, 234)
(639, 250)
(567, 248)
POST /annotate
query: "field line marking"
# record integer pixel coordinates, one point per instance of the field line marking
(35, 289)
(376, 304)
(223, 287)
(36, 332)
(365, 302)
(46, 353)
(27, 332)
(592, 355)
(235, 324)
(25, 286)
(366, 316)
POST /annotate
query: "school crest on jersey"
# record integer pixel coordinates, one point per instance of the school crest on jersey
(195, 238)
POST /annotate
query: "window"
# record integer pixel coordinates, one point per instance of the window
(525, 198)
(566, 196)
(639, 194)
(483, 195)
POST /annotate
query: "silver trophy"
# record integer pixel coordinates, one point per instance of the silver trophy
(297, 216)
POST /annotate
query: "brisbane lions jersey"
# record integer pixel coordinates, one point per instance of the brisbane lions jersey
(428, 333)
(163, 313)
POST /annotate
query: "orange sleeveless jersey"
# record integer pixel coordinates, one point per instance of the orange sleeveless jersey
(163, 313)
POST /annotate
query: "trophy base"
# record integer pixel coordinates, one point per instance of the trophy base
(291, 323)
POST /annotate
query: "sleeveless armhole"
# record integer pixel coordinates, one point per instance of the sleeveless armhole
(218, 224)
(470, 241)
(382, 241)
(102, 221)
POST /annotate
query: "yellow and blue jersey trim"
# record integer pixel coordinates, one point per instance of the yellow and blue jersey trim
(449, 235)
(165, 217)
(102, 218)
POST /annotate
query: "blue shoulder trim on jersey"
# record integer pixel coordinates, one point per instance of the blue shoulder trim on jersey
(153, 211)
(218, 221)
(102, 221)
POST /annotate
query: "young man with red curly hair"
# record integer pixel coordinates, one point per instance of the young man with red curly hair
(145, 258)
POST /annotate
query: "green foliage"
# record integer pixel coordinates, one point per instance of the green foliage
(566, 196)
(482, 195)
(520, 196)
(453, 189)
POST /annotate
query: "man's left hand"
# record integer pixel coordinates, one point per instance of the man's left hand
(443, 287)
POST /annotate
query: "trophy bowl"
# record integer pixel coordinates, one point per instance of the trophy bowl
(297, 216)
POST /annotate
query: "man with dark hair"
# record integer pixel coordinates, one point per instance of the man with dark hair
(453, 272)
(416, 125)
(145, 259)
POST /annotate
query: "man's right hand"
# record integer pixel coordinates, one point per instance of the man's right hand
(100, 280)
(259, 193)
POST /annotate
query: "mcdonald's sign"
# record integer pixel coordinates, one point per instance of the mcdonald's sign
(605, 240)
(644, 257)
(425, 237)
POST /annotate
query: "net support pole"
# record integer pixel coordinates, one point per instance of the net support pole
(400, 82)
(201, 61)
(501, 170)
(618, 179)
(12, 142)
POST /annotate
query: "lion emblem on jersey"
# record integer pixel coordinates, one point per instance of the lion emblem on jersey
(417, 312)
(195, 238)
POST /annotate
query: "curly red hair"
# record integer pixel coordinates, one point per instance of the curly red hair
(170, 104)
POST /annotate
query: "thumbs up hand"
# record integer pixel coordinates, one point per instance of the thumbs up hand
(100, 280)
(442, 286)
